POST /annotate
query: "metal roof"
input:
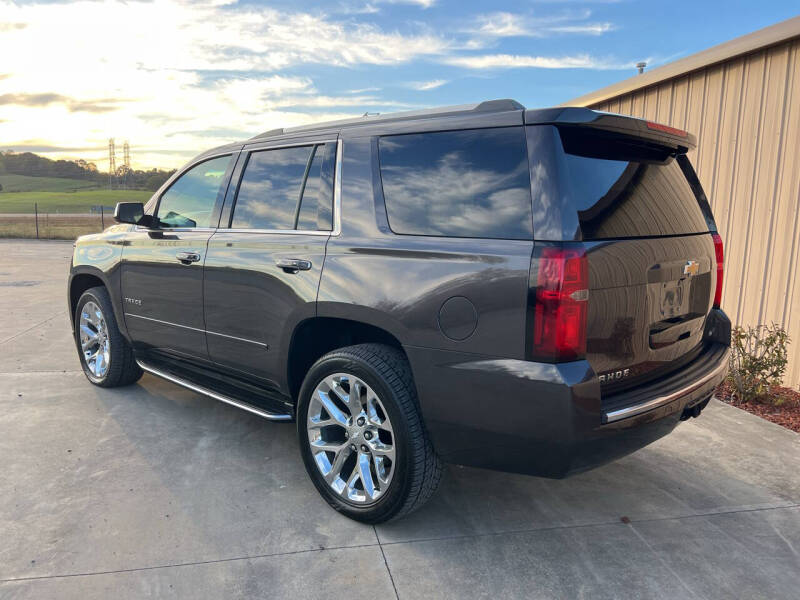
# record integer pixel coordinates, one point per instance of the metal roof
(752, 42)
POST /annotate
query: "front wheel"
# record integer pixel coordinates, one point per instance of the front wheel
(362, 439)
(106, 356)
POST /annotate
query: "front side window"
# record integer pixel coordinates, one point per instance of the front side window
(285, 189)
(189, 202)
(472, 183)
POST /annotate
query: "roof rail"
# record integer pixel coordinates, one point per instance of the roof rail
(498, 105)
(486, 106)
(271, 132)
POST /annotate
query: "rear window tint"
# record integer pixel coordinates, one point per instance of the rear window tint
(472, 183)
(316, 205)
(620, 190)
(285, 188)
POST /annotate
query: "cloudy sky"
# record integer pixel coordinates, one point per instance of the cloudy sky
(176, 77)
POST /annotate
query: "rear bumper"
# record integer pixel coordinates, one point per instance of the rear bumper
(549, 419)
(689, 384)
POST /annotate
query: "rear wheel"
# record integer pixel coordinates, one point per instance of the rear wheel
(361, 435)
(106, 356)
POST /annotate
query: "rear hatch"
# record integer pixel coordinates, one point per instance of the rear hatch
(647, 231)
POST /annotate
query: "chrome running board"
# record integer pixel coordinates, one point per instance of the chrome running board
(211, 394)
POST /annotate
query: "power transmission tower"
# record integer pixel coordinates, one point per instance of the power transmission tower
(112, 163)
(126, 161)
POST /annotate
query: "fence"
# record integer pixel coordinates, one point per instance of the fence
(54, 226)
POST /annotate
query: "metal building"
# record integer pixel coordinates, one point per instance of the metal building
(742, 100)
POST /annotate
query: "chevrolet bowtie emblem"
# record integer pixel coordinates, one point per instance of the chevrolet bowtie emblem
(691, 267)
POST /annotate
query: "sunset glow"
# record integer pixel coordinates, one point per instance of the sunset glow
(175, 78)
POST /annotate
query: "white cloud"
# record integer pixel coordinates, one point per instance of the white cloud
(318, 100)
(509, 61)
(501, 24)
(178, 77)
(420, 3)
(588, 28)
(505, 24)
(357, 9)
(371, 7)
(150, 57)
(424, 86)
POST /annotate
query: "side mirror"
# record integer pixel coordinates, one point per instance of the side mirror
(129, 212)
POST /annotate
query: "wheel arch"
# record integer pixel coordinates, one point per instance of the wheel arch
(84, 278)
(316, 336)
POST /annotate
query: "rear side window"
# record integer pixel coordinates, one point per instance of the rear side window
(472, 183)
(621, 189)
(314, 213)
(284, 189)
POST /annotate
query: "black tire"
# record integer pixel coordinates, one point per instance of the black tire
(122, 366)
(418, 469)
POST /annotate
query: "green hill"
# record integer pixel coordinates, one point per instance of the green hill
(63, 187)
(22, 172)
(26, 183)
(79, 201)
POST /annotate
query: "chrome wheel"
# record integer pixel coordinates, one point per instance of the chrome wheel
(95, 345)
(351, 438)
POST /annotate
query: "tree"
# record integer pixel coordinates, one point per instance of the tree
(32, 165)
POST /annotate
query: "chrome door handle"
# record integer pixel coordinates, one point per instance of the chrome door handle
(187, 258)
(293, 265)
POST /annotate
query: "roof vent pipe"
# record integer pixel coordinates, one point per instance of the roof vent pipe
(641, 66)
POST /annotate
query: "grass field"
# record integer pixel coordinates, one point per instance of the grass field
(51, 226)
(24, 183)
(67, 202)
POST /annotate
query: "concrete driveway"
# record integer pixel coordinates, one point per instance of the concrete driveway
(154, 491)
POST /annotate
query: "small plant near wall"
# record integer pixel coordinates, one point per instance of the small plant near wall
(758, 362)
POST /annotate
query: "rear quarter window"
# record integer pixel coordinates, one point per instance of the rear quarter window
(472, 183)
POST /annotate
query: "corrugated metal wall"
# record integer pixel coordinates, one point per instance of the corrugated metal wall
(746, 115)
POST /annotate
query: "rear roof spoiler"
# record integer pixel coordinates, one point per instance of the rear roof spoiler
(614, 123)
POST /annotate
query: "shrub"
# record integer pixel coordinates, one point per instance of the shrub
(758, 361)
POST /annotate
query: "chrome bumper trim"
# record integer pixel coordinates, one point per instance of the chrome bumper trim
(206, 392)
(636, 409)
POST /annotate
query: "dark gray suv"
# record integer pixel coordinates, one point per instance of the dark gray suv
(535, 291)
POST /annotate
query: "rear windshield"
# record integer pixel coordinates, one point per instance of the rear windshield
(472, 183)
(623, 188)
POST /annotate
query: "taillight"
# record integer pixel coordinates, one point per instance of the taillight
(561, 303)
(720, 270)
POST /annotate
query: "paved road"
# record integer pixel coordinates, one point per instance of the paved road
(153, 491)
